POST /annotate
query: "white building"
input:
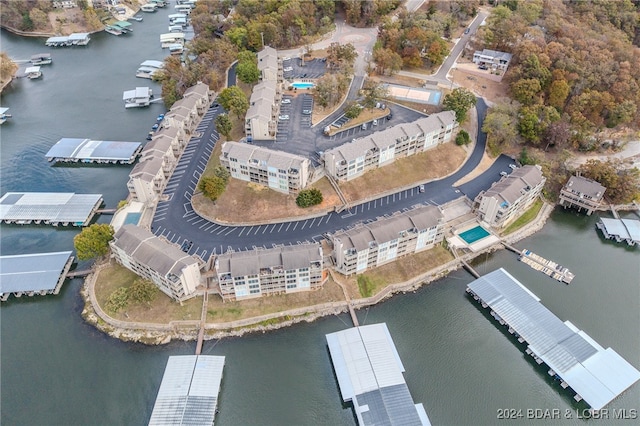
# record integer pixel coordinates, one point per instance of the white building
(510, 196)
(261, 120)
(493, 59)
(385, 240)
(176, 273)
(280, 171)
(255, 273)
(379, 149)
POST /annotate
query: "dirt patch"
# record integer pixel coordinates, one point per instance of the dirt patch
(482, 85)
(435, 163)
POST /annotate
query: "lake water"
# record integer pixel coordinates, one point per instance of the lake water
(56, 370)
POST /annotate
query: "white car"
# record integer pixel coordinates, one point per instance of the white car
(283, 117)
(286, 59)
(513, 166)
(286, 101)
(287, 69)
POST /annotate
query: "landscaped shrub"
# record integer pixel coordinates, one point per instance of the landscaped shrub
(309, 197)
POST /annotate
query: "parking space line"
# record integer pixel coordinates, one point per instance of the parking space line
(230, 231)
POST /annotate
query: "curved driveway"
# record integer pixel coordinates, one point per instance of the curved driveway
(177, 221)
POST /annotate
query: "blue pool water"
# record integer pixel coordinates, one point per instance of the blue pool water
(132, 218)
(474, 234)
(301, 85)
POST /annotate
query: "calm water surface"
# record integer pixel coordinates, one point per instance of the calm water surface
(56, 370)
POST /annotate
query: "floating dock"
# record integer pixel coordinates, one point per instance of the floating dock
(369, 373)
(33, 274)
(137, 98)
(76, 150)
(41, 59)
(48, 208)
(595, 374)
(547, 267)
(75, 39)
(620, 230)
(188, 394)
(3, 115)
(149, 68)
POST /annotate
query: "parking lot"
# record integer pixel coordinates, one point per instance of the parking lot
(295, 113)
(293, 69)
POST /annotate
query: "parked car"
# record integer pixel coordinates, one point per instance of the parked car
(364, 126)
(421, 188)
(287, 69)
(306, 112)
(483, 67)
(467, 31)
(283, 117)
(513, 166)
(286, 101)
(503, 173)
(375, 122)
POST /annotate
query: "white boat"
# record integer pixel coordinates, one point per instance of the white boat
(168, 39)
(176, 49)
(4, 115)
(137, 18)
(137, 98)
(149, 7)
(148, 68)
(41, 59)
(33, 72)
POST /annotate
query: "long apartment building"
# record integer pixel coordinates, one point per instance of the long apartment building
(174, 272)
(582, 193)
(385, 240)
(280, 171)
(261, 120)
(256, 273)
(510, 196)
(379, 149)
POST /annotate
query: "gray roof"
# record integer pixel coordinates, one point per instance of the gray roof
(251, 262)
(31, 272)
(496, 54)
(390, 136)
(188, 394)
(161, 144)
(627, 229)
(85, 149)
(268, 59)
(199, 89)
(149, 250)
(596, 374)
(137, 93)
(188, 102)
(513, 186)
(369, 373)
(152, 64)
(388, 229)
(584, 186)
(49, 206)
(147, 168)
(246, 153)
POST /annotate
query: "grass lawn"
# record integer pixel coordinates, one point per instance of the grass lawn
(161, 310)
(526, 217)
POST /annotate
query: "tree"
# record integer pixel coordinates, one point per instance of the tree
(233, 99)
(222, 173)
(459, 101)
(224, 125)
(463, 138)
(93, 241)
(526, 91)
(623, 184)
(309, 197)
(142, 291)
(212, 187)
(247, 69)
(119, 299)
(500, 124)
(373, 92)
(353, 111)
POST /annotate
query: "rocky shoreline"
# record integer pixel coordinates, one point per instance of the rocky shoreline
(161, 334)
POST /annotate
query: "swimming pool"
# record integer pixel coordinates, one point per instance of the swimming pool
(132, 218)
(472, 235)
(302, 85)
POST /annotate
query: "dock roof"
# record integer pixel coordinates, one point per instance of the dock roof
(188, 394)
(598, 375)
(627, 229)
(31, 272)
(55, 207)
(137, 93)
(86, 149)
(369, 373)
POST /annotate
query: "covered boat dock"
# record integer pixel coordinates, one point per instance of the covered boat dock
(595, 374)
(31, 274)
(49, 208)
(74, 150)
(188, 394)
(620, 230)
(75, 39)
(369, 373)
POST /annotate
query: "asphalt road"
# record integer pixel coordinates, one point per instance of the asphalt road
(177, 221)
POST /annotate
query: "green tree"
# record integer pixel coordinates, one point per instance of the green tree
(222, 173)
(309, 197)
(118, 300)
(212, 187)
(93, 241)
(353, 111)
(558, 92)
(459, 101)
(142, 291)
(528, 125)
(463, 138)
(526, 91)
(248, 72)
(224, 125)
(373, 92)
(233, 99)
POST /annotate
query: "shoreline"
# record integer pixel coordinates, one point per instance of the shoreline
(160, 334)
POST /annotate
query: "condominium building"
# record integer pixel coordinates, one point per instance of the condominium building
(582, 193)
(261, 120)
(255, 273)
(147, 179)
(379, 149)
(269, 65)
(385, 240)
(174, 272)
(510, 196)
(280, 171)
